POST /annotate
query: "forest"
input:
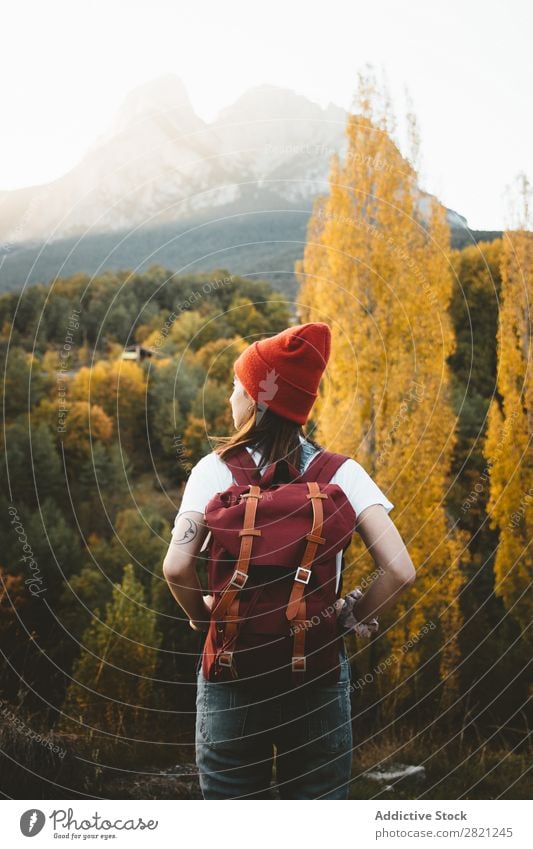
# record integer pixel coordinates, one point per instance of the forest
(113, 385)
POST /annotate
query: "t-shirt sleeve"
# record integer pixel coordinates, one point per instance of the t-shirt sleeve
(208, 476)
(360, 488)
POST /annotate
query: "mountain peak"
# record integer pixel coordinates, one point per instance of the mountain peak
(268, 101)
(164, 96)
(160, 162)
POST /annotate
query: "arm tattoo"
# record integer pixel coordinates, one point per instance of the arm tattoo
(190, 533)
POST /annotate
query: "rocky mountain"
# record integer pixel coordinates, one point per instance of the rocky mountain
(158, 162)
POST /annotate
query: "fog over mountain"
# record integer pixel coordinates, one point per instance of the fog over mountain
(158, 162)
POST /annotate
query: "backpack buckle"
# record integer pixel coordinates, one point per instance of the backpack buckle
(225, 658)
(301, 577)
(298, 663)
(238, 579)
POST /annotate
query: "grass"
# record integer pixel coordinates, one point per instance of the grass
(453, 769)
(458, 769)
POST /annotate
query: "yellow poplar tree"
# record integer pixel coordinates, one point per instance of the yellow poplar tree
(380, 276)
(510, 425)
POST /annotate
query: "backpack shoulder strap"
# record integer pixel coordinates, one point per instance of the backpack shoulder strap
(323, 466)
(243, 467)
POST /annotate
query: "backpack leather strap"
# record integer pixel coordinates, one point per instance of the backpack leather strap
(299, 627)
(227, 633)
(297, 606)
(226, 611)
(314, 539)
(240, 575)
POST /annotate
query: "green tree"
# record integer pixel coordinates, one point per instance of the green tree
(113, 678)
(31, 460)
(101, 486)
(172, 387)
(25, 382)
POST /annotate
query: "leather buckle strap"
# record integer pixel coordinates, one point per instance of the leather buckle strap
(302, 575)
(238, 579)
(299, 661)
(314, 538)
(225, 658)
(240, 575)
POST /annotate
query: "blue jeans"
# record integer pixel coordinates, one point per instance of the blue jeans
(310, 728)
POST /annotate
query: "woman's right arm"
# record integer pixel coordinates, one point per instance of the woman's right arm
(396, 571)
(179, 566)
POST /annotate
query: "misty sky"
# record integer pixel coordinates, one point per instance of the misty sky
(66, 66)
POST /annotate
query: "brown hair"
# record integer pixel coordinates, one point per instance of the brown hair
(274, 436)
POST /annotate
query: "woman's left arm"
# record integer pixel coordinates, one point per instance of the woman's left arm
(396, 572)
(179, 568)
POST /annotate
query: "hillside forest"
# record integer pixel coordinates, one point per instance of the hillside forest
(114, 385)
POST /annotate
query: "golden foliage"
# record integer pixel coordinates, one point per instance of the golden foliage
(381, 278)
(119, 388)
(85, 423)
(510, 429)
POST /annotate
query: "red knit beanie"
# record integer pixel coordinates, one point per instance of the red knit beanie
(283, 372)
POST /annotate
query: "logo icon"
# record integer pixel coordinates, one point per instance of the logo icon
(31, 822)
(268, 388)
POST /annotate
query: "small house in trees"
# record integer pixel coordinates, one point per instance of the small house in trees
(137, 353)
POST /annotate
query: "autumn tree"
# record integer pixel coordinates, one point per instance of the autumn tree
(119, 388)
(510, 428)
(376, 268)
(474, 314)
(218, 356)
(85, 424)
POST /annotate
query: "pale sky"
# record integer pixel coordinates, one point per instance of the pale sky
(66, 66)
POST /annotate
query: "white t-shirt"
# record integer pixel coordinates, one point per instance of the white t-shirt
(211, 475)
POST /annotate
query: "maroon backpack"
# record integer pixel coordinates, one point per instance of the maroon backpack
(272, 571)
